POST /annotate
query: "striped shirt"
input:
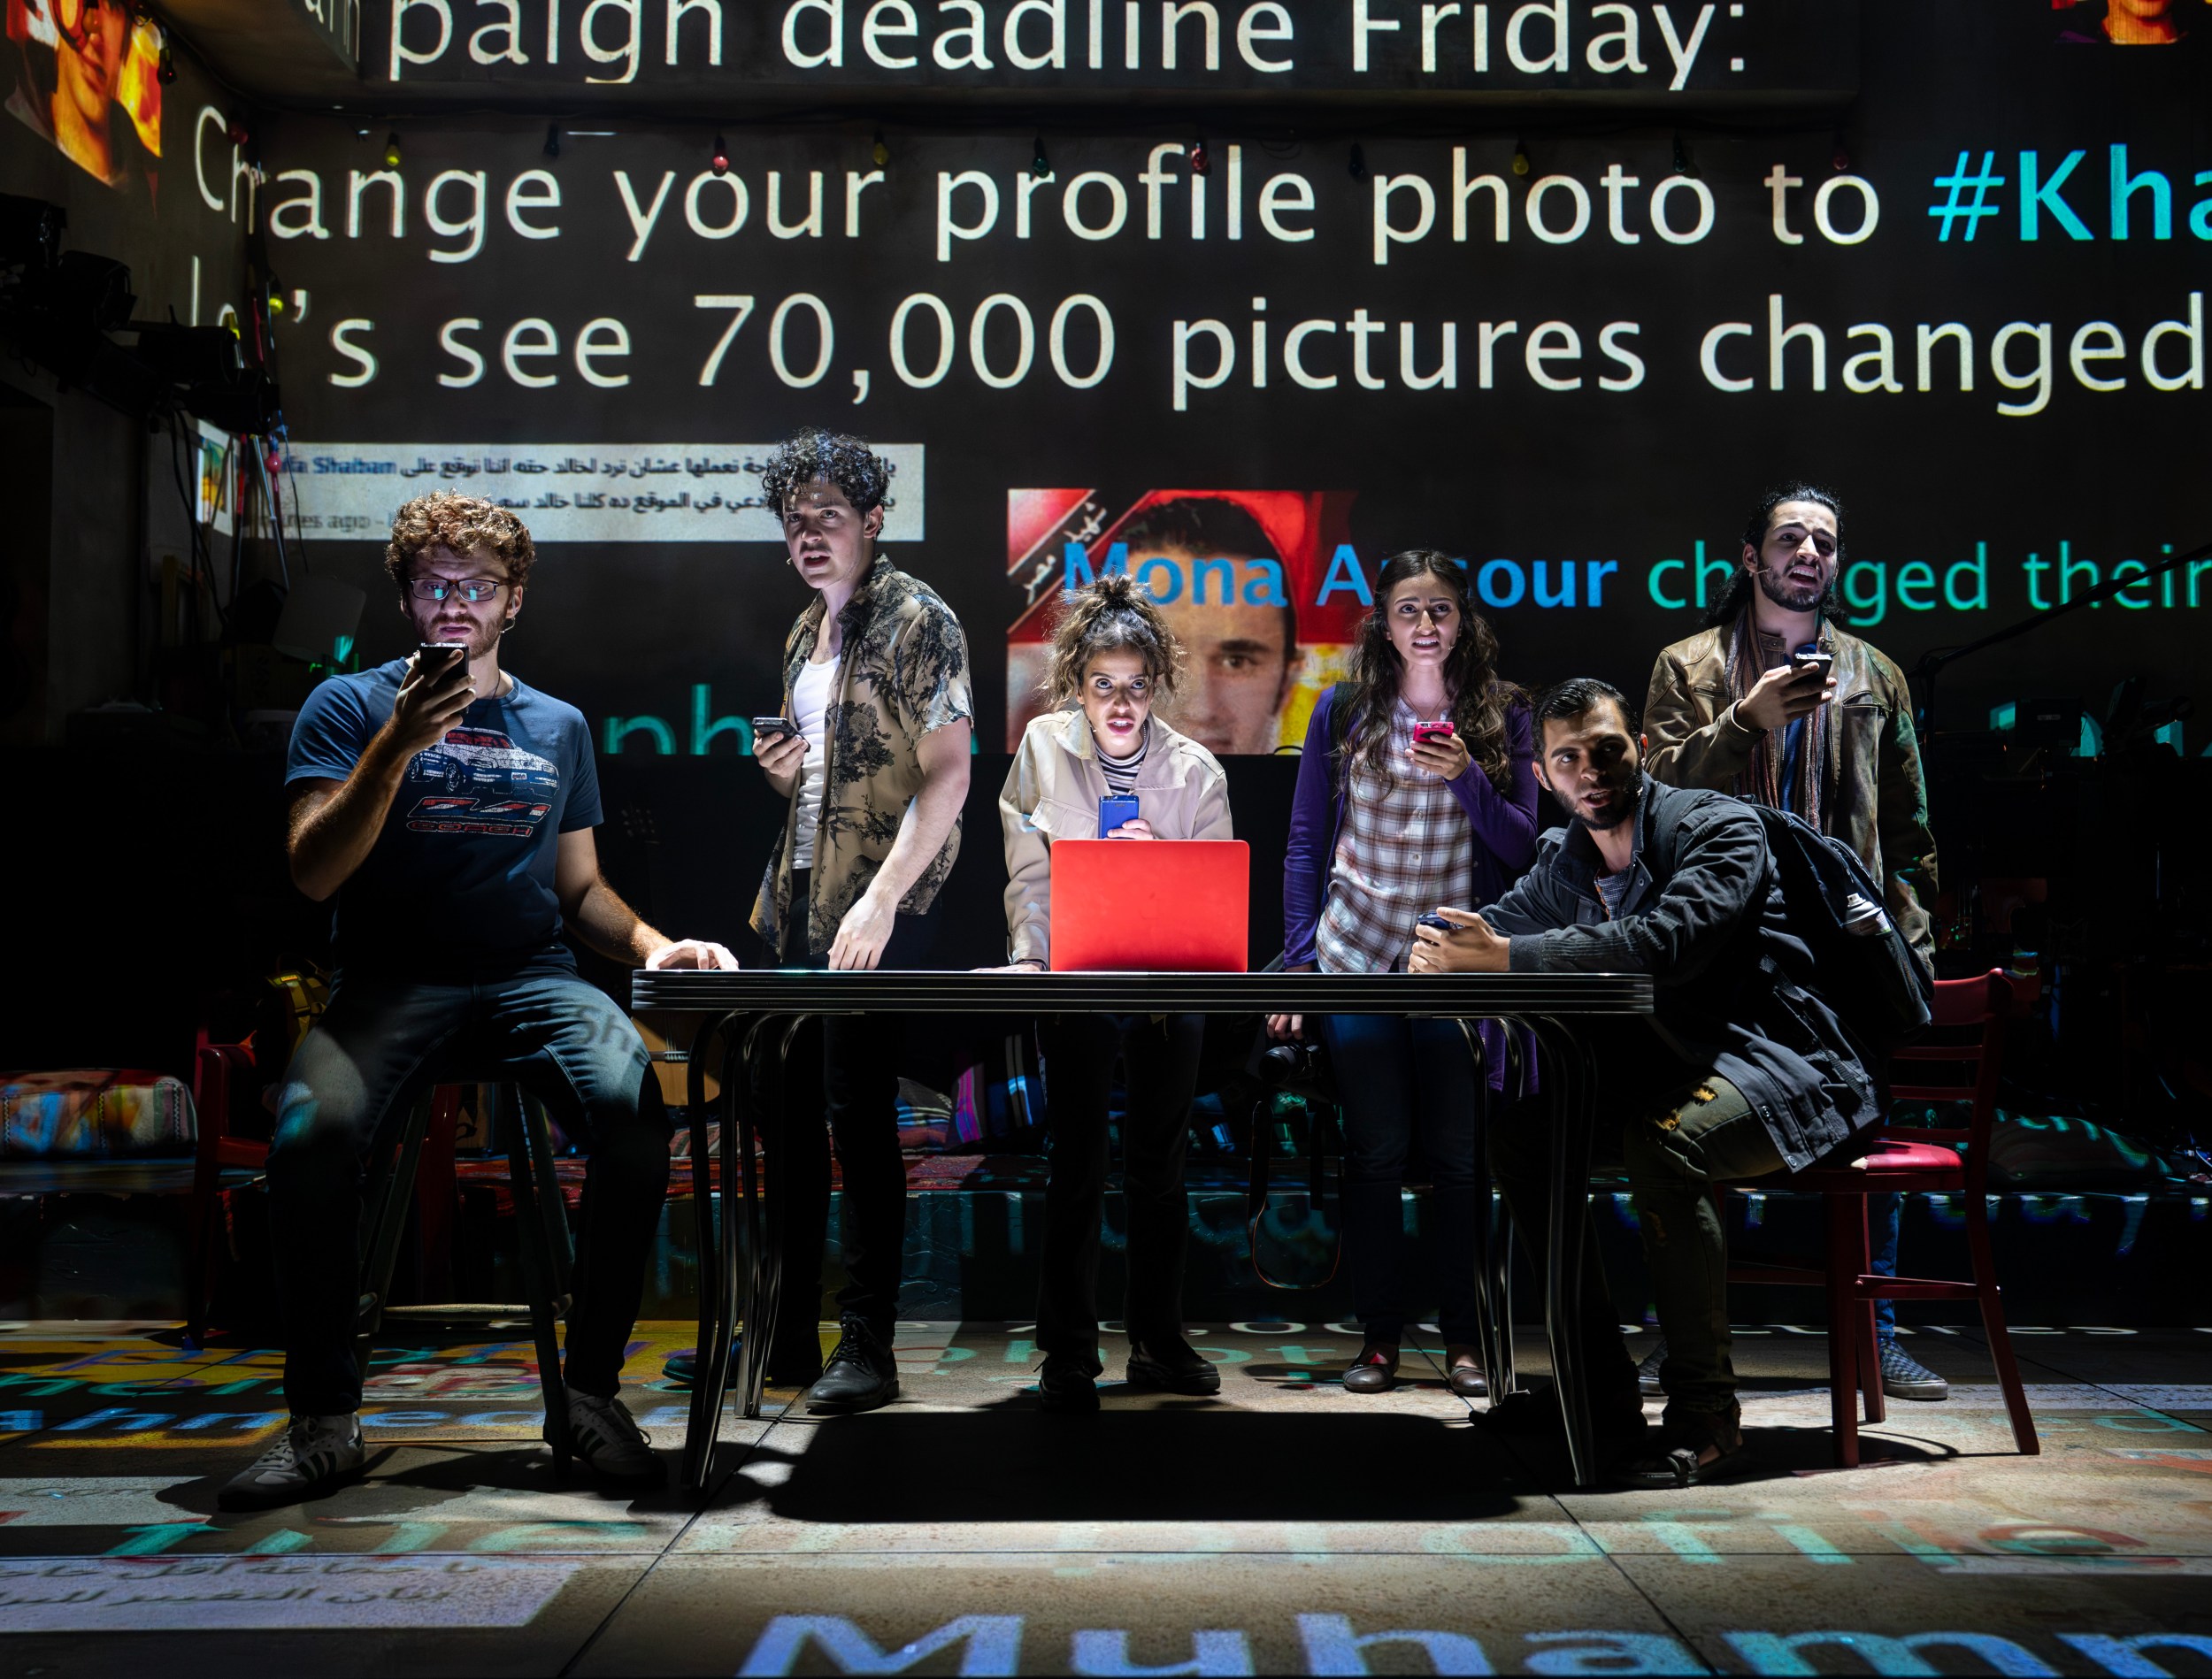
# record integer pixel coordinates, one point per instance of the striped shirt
(1121, 773)
(1406, 847)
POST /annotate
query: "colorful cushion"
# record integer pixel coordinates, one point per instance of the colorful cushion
(94, 1113)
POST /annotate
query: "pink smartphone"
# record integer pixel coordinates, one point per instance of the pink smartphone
(1440, 731)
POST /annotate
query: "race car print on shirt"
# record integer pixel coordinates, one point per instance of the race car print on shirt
(484, 758)
(491, 785)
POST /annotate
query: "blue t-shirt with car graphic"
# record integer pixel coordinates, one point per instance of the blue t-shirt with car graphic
(463, 874)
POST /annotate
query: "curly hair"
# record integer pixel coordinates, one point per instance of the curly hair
(465, 525)
(814, 454)
(1732, 599)
(1107, 617)
(1479, 696)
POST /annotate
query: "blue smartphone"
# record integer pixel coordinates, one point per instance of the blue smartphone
(1113, 810)
(1435, 921)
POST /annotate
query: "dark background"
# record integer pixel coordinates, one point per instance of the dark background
(155, 896)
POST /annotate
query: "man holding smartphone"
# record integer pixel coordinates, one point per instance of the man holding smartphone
(876, 684)
(446, 809)
(1771, 701)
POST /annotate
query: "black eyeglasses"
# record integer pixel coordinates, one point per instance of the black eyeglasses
(473, 590)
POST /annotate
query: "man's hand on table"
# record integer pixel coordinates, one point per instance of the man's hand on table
(691, 953)
(1280, 1027)
(862, 934)
(1471, 947)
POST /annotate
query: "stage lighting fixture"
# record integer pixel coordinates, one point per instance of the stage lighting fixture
(1040, 166)
(1520, 158)
(82, 290)
(391, 151)
(552, 139)
(204, 372)
(721, 158)
(1200, 163)
(30, 230)
(881, 152)
(190, 355)
(1358, 165)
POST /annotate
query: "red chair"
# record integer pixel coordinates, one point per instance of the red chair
(1968, 1035)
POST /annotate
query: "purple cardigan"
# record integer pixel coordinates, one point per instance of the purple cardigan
(1504, 829)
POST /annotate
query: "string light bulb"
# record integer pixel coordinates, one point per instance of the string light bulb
(1520, 158)
(1200, 163)
(391, 151)
(1358, 162)
(166, 67)
(552, 139)
(720, 161)
(1842, 158)
(1041, 165)
(881, 152)
(1684, 163)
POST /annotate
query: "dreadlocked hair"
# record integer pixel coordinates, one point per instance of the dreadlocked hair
(1109, 615)
(1479, 696)
(1732, 599)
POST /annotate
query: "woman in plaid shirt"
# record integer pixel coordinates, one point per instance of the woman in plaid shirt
(1384, 829)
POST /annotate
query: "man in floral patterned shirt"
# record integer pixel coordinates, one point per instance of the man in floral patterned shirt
(876, 679)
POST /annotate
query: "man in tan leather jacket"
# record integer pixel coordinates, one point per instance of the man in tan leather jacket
(1707, 713)
(1771, 701)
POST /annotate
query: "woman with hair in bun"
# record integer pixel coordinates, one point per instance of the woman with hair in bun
(1112, 657)
(1416, 789)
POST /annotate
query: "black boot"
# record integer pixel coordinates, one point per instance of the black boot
(1172, 1365)
(860, 1375)
(1067, 1387)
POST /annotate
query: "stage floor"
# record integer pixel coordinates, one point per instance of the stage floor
(1279, 1529)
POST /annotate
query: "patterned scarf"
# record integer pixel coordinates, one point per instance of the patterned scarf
(1762, 778)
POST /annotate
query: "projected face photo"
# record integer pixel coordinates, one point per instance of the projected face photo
(88, 79)
(1241, 662)
(1266, 622)
(2125, 23)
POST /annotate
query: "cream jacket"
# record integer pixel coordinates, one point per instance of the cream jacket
(1052, 793)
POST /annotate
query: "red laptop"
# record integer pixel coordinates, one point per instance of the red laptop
(1164, 906)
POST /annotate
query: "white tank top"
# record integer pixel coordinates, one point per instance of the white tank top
(809, 706)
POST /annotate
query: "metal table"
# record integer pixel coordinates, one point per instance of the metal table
(755, 1013)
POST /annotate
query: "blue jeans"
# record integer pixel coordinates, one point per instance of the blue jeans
(1884, 1215)
(382, 1041)
(1401, 1079)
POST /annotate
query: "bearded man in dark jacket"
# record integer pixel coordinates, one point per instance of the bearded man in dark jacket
(1742, 1070)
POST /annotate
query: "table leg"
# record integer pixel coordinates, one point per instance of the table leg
(718, 1254)
(749, 1163)
(1570, 1081)
(1495, 1330)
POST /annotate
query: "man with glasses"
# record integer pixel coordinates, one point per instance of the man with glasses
(447, 809)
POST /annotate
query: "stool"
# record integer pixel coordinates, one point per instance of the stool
(520, 1127)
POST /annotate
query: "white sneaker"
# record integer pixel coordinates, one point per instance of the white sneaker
(602, 1433)
(311, 1456)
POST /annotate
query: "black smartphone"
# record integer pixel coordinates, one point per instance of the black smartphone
(1813, 659)
(768, 728)
(437, 659)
